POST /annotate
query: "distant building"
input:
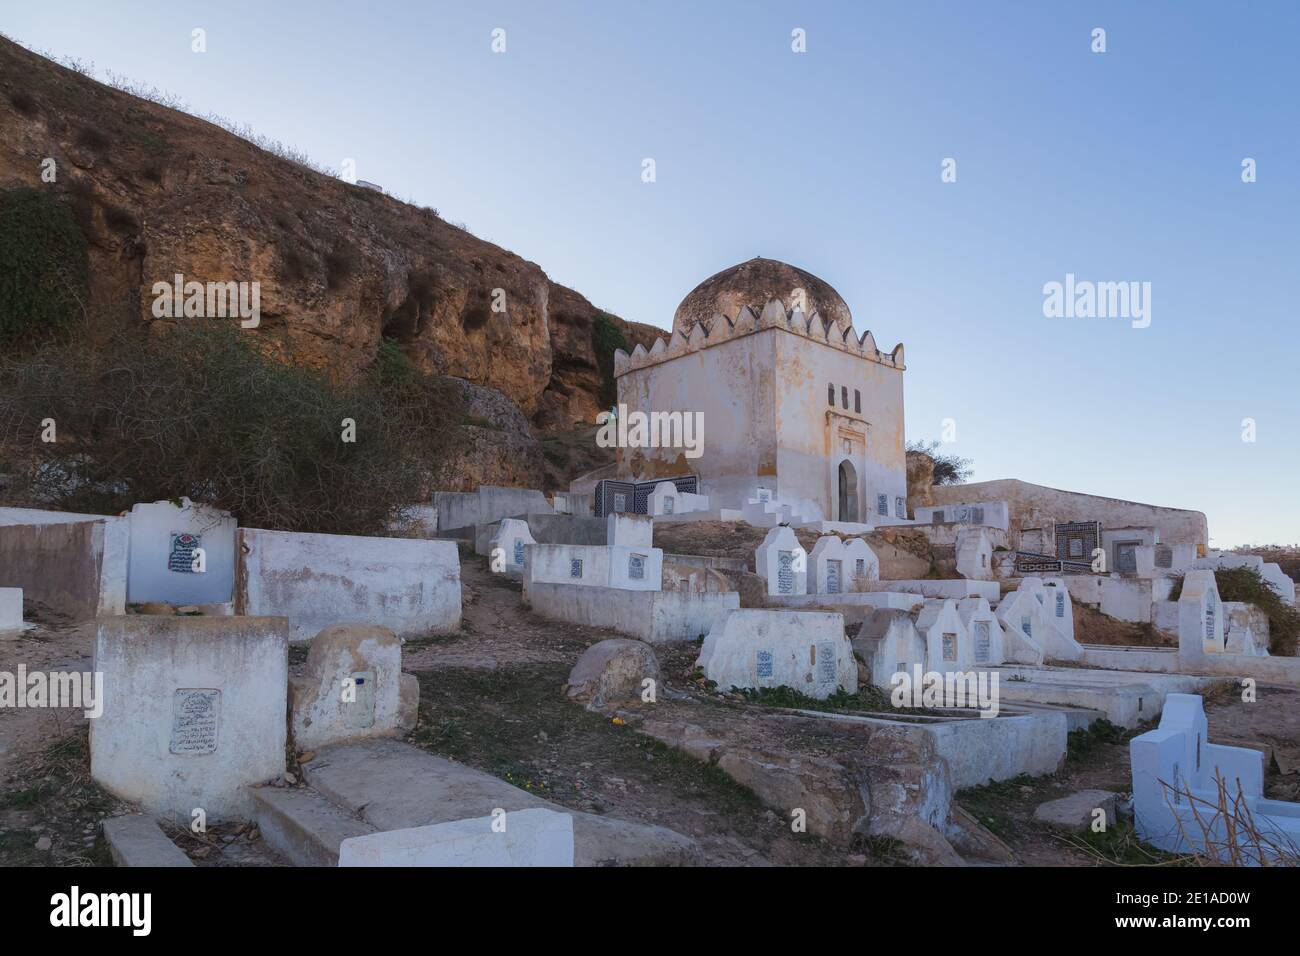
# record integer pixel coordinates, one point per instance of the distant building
(793, 400)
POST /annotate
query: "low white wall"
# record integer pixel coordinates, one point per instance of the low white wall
(956, 588)
(652, 616)
(409, 585)
(605, 567)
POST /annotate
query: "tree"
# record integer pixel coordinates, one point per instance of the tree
(948, 469)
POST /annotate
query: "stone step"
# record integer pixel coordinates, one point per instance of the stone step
(136, 840)
(387, 784)
(303, 825)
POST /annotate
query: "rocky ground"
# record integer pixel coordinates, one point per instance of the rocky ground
(491, 697)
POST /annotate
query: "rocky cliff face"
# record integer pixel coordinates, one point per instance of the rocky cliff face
(158, 192)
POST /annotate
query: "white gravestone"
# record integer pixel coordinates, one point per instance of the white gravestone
(180, 554)
(1176, 779)
(1200, 615)
(826, 566)
(860, 564)
(782, 562)
(507, 552)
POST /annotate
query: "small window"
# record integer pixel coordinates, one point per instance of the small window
(575, 568)
(830, 395)
(857, 401)
(900, 507)
(882, 504)
(844, 395)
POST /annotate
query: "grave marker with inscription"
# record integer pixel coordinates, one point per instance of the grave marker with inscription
(195, 713)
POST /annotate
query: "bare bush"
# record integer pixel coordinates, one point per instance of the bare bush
(200, 412)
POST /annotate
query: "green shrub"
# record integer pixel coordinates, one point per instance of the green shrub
(201, 412)
(43, 264)
(606, 336)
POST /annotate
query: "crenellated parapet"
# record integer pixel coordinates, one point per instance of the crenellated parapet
(721, 329)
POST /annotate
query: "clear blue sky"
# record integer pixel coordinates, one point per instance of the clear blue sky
(1117, 166)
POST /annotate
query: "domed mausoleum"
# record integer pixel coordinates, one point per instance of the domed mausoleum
(793, 405)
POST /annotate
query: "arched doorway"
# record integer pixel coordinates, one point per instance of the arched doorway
(848, 491)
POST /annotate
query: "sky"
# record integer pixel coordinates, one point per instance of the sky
(1115, 166)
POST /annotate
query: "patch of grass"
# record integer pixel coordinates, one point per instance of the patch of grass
(1119, 845)
(1084, 740)
(991, 804)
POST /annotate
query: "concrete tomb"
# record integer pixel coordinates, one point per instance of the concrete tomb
(194, 710)
(839, 566)
(533, 837)
(487, 504)
(974, 554)
(180, 554)
(1058, 606)
(628, 530)
(782, 562)
(1026, 609)
(352, 686)
(805, 650)
(1246, 629)
(1190, 795)
(508, 547)
(826, 570)
(410, 585)
(1025, 629)
(667, 500)
(887, 643)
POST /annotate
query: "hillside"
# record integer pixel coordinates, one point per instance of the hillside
(159, 192)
